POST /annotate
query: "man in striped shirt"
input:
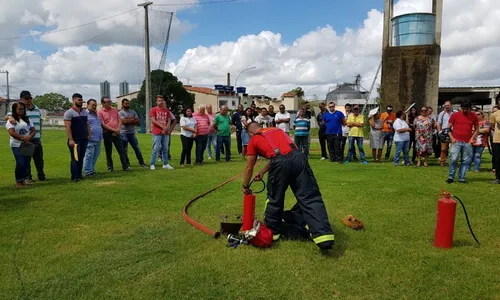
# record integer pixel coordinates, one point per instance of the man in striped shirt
(33, 113)
(302, 126)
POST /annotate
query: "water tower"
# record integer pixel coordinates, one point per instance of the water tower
(410, 57)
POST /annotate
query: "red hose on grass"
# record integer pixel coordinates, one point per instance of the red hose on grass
(200, 226)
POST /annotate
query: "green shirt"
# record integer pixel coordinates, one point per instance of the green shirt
(223, 125)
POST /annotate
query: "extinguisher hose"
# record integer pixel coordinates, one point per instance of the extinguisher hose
(467, 218)
(198, 225)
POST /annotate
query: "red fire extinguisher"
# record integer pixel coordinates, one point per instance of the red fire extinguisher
(445, 223)
(249, 208)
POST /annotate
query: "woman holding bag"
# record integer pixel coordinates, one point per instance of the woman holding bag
(21, 134)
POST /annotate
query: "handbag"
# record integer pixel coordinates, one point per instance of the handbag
(27, 149)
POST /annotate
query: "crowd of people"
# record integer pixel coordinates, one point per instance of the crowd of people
(463, 133)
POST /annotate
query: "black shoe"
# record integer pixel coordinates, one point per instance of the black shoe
(126, 169)
(497, 181)
(110, 169)
(75, 180)
(144, 166)
(42, 178)
(449, 180)
(326, 245)
(462, 181)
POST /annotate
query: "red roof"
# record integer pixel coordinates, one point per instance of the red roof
(289, 94)
(202, 90)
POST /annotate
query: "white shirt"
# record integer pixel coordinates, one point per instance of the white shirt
(264, 121)
(189, 122)
(22, 128)
(283, 126)
(400, 137)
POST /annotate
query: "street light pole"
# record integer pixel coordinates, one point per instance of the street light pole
(247, 69)
(147, 63)
(311, 89)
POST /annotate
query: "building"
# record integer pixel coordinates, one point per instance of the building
(105, 89)
(290, 100)
(482, 97)
(128, 96)
(216, 97)
(124, 88)
(348, 93)
(411, 53)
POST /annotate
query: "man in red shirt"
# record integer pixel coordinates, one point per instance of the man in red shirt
(287, 166)
(160, 120)
(464, 127)
(111, 123)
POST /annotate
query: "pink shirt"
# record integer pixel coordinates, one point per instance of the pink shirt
(109, 117)
(162, 116)
(203, 122)
(211, 129)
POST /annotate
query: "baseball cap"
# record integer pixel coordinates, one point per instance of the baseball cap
(25, 95)
(389, 107)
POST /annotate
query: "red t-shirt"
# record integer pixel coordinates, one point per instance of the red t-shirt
(260, 145)
(463, 126)
(162, 116)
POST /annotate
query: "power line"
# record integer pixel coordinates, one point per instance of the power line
(69, 28)
(198, 3)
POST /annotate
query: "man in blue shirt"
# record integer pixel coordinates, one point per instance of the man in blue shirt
(94, 144)
(334, 120)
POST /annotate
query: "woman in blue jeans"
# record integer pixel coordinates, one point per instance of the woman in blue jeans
(481, 141)
(20, 132)
(401, 138)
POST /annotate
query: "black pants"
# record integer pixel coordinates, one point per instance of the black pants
(239, 141)
(436, 145)
(187, 147)
(76, 166)
(322, 142)
(496, 158)
(293, 170)
(38, 160)
(110, 139)
(335, 147)
(413, 146)
(201, 145)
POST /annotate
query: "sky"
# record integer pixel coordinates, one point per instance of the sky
(311, 44)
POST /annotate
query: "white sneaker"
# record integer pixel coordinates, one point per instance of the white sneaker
(323, 158)
(152, 167)
(209, 158)
(169, 167)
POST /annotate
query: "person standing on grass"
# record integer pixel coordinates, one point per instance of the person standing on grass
(272, 114)
(129, 119)
(495, 124)
(376, 137)
(222, 123)
(355, 122)
(442, 123)
(345, 133)
(334, 121)
(464, 127)
(212, 132)
(302, 126)
(160, 120)
(424, 126)
(78, 132)
(264, 119)
(188, 134)
(94, 145)
(388, 118)
(236, 121)
(411, 120)
(282, 120)
(401, 138)
(33, 113)
(481, 141)
(111, 124)
(322, 130)
(287, 166)
(203, 122)
(21, 132)
(246, 119)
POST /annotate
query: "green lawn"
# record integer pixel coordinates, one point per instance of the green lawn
(122, 236)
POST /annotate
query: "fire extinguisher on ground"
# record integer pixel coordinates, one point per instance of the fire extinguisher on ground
(445, 223)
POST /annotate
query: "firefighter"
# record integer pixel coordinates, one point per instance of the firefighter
(287, 166)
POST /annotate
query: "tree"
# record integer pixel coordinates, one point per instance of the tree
(52, 102)
(166, 84)
(299, 91)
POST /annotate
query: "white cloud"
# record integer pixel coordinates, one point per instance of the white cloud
(470, 46)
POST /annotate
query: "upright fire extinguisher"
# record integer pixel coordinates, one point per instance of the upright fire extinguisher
(249, 208)
(445, 223)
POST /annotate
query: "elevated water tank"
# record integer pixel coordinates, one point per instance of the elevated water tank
(414, 29)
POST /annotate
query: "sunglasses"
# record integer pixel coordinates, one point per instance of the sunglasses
(424, 110)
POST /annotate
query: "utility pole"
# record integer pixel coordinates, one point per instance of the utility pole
(148, 64)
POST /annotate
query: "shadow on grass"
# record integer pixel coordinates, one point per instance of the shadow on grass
(12, 201)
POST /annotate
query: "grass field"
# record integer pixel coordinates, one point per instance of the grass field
(122, 236)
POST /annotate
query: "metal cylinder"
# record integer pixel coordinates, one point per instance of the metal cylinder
(445, 223)
(248, 211)
(414, 29)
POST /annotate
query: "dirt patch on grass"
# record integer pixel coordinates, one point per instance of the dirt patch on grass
(104, 183)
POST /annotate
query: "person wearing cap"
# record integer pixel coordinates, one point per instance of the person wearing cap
(388, 118)
(78, 132)
(34, 115)
(464, 128)
(287, 166)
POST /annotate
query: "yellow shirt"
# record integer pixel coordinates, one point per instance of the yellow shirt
(495, 124)
(355, 131)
